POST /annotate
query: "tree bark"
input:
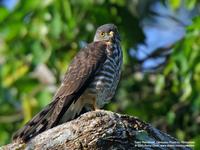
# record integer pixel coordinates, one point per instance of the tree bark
(101, 130)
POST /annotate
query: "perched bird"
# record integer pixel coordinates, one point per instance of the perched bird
(90, 82)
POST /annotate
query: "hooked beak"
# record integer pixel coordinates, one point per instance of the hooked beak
(112, 34)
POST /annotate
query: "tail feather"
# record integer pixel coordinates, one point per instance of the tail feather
(49, 117)
(35, 125)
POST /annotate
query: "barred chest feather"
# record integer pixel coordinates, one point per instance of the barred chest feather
(107, 78)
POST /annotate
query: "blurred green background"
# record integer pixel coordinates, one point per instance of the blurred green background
(160, 82)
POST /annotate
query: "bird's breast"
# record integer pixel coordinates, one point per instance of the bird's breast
(107, 77)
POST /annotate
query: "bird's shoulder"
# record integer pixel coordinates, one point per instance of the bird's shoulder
(83, 66)
(93, 49)
(93, 53)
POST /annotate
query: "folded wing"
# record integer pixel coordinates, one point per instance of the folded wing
(76, 80)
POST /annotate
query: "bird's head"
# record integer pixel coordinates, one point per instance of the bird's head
(107, 32)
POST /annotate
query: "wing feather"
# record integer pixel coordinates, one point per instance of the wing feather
(79, 75)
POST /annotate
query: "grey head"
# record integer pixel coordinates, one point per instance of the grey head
(107, 32)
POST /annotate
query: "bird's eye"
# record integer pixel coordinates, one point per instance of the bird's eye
(102, 34)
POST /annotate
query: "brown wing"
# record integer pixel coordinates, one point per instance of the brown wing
(79, 75)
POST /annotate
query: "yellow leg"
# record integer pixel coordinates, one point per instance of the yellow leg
(94, 105)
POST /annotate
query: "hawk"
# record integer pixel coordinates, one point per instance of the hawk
(90, 82)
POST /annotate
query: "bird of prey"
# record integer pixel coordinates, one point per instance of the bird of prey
(90, 82)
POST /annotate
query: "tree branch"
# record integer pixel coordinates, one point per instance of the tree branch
(101, 130)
